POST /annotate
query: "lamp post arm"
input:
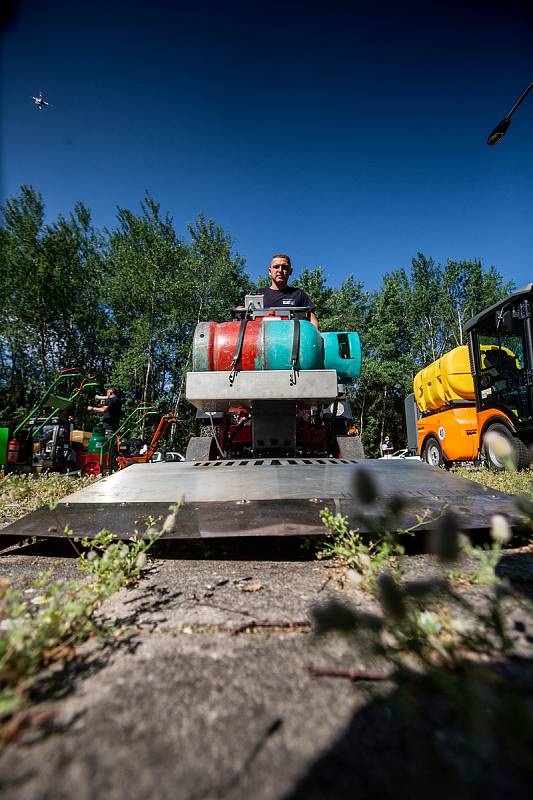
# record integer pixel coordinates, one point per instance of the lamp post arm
(520, 99)
(501, 128)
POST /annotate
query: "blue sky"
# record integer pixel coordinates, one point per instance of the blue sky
(350, 135)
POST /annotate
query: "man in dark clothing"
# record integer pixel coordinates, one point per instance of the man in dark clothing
(387, 447)
(279, 294)
(111, 411)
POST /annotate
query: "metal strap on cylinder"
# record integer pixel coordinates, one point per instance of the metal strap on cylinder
(295, 350)
(238, 346)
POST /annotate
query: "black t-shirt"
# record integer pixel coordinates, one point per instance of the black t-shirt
(292, 296)
(111, 417)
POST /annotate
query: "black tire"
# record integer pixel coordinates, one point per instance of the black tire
(432, 453)
(519, 453)
(201, 448)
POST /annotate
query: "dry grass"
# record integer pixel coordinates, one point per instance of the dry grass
(509, 482)
(20, 494)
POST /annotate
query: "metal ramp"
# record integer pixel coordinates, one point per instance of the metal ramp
(260, 497)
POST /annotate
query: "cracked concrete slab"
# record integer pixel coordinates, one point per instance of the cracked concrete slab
(191, 700)
(180, 712)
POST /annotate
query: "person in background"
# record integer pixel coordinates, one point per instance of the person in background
(110, 410)
(387, 447)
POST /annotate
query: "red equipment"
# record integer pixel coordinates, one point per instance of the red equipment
(92, 464)
(13, 447)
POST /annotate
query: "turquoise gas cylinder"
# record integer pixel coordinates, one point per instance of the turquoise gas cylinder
(342, 351)
(278, 336)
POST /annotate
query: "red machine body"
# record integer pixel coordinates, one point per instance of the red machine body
(94, 464)
(234, 432)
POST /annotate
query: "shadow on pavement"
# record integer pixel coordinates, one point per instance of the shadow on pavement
(517, 568)
(469, 737)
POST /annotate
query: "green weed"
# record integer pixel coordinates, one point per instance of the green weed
(446, 655)
(43, 621)
(367, 554)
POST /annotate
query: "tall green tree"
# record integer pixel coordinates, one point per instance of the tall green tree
(468, 288)
(157, 287)
(144, 271)
(314, 282)
(386, 369)
(50, 286)
(214, 282)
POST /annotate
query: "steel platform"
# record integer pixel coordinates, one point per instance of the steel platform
(212, 391)
(261, 497)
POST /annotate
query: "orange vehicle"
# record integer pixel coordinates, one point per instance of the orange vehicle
(125, 461)
(485, 386)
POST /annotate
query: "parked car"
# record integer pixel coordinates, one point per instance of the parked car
(403, 453)
(166, 456)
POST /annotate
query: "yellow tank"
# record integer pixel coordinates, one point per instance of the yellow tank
(445, 380)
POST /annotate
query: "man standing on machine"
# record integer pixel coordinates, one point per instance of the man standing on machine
(111, 411)
(279, 294)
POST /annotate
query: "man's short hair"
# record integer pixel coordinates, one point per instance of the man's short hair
(111, 389)
(282, 255)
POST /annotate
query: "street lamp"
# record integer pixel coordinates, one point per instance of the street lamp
(501, 128)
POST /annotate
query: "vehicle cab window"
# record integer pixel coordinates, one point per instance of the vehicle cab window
(502, 373)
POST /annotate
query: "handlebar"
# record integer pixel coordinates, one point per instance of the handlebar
(286, 311)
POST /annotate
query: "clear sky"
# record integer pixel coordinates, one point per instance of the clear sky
(348, 134)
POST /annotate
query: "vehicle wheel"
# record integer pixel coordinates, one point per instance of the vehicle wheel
(519, 452)
(92, 468)
(432, 453)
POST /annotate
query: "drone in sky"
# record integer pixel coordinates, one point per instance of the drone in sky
(40, 102)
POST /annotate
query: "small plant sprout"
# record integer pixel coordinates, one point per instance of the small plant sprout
(488, 556)
(367, 554)
(500, 530)
(364, 556)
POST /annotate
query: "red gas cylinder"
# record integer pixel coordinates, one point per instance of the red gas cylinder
(215, 344)
(13, 448)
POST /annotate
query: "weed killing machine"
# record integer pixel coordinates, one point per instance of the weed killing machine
(270, 390)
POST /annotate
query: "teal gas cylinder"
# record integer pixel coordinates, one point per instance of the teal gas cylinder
(342, 351)
(278, 336)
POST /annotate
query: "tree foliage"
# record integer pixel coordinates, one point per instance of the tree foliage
(123, 303)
